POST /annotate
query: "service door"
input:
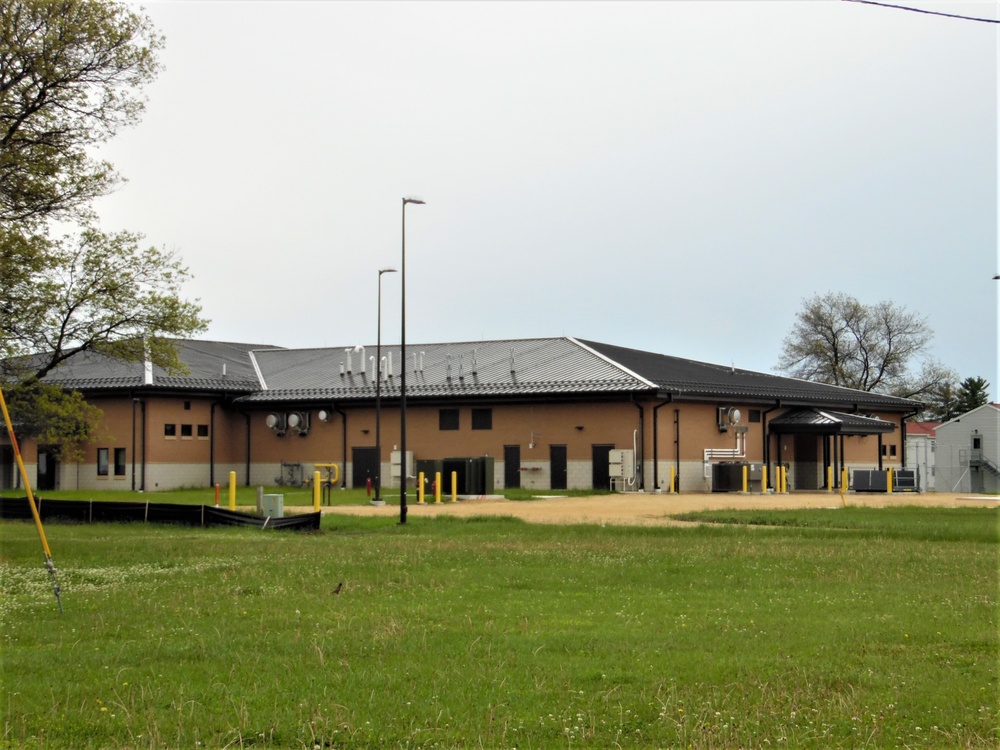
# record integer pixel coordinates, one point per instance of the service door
(365, 467)
(511, 466)
(48, 468)
(557, 464)
(599, 457)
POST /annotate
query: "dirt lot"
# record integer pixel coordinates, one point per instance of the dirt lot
(642, 509)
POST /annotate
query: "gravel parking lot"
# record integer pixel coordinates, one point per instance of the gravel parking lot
(643, 509)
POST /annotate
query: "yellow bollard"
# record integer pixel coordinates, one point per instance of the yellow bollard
(763, 479)
(232, 490)
(784, 480)
(316, 491)
(843, 486)
(437, 486)
(888, 480)
(746, 474)
(673, 484)
(829, 479)
(420, 488)
(454, 486)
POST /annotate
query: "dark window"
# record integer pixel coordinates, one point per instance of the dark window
(187, 406)
(482, 419)
(753, 415)
(169, 430)
(119, 462)
(102, 462)
(889, 450)
(448, 419)
(186, 430)
(892, 450)
(203, 430)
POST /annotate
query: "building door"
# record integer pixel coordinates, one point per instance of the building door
(511, 466)
(48, 468)
(365, 466)
(807, 467)
(6, 467)
(601, 478)
(557, 466)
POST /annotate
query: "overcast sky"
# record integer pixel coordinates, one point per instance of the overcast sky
(670, 176)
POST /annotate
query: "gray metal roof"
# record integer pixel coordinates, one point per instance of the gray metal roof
(89, 371)
(505, 369)
(816, 421)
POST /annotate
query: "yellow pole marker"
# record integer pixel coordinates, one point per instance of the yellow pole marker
(672, 483)
(843, 486)
(437, 486)
(31, 502)
(746, 473)
(829, 478)
(232, 490)
(454, 486)
(420, 488)
(763, 479)
(316, 490)
(888, 480)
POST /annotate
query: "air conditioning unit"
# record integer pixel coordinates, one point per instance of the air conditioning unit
(277, 422)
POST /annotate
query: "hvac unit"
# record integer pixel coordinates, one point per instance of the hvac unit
(277, 422)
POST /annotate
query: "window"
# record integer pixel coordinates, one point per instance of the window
(169, 430)
(889, 450)
(448, 419)
(187, 406)
(119, 462)
(102, 462)
(186, 431)
(753, 415)
(203, 430)
(482, 419)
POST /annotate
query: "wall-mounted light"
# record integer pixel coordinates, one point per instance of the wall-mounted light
(324, 415)
(365, 430)
(579, 427)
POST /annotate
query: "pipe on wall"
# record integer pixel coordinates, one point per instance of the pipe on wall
(343, 474)
(656, 443)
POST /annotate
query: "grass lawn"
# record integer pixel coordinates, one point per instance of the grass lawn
(812, 630)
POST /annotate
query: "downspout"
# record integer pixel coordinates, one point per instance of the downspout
(246, 414)
(642, 444)
(677, 450)
(211, 446)
(656, 439)
(343, 474)
(142, 484)
(902, 428)
(767, 438)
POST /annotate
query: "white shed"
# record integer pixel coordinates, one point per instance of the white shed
(921, 450)
(967, 455)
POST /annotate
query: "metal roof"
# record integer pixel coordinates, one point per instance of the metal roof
(816, 421)
(504, 369)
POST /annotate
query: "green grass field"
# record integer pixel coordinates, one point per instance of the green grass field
(811, 629)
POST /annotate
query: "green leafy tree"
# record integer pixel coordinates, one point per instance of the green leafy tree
(838, 340)
(972, 393)
(71, 76)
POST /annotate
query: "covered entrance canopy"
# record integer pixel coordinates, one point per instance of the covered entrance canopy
(806, 425)
(817, 422)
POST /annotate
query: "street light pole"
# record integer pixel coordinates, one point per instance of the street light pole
(402, 374)
(378, 394)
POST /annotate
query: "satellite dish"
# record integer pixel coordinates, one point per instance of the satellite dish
(734, 416)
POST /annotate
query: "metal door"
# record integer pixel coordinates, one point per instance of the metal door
(365, 466)
(601, 478)
(48, 468)
(511, 466)
(557, 466)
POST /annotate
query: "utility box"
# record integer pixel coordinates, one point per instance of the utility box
(473, 476)
(870, 480)
(727, 476)
(621, 463)
(273, 506)
(394, 468)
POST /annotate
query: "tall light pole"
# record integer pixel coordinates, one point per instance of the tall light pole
(402, 375)
(378, 394)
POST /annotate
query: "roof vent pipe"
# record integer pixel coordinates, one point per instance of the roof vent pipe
(475, 365)
(361, 349)
(447, 372)
(388, 365)
(382, 374)
(223, 369)
(341, 369)
(461, 368)
(512, 359)
(374, 371)
(350, 364)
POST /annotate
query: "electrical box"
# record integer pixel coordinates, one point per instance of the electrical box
(621, 463)
(273, 506)
(395, 465)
